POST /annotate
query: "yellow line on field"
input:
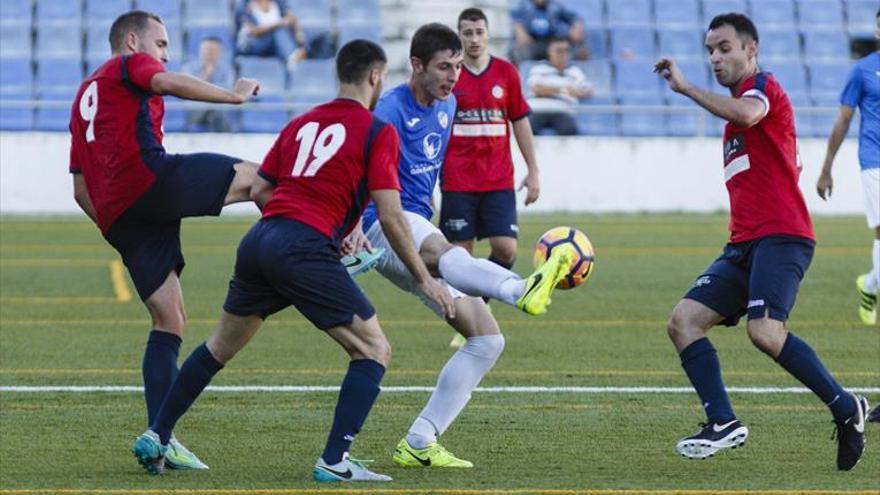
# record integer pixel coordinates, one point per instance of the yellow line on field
(120, 287)
(407, 491)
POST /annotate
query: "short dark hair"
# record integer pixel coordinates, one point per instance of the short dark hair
(432, 38)
(356, 58)
(739, 22)
(472, 14)
(136, 21)
(212, 38)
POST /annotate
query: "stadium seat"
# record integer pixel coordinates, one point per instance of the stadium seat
(826, 108)
(696, 71)
(15, 40)
(598, 123)
(104, 12)
(773, 14)
(820, 14)
(861, 17)
(271, 121)
(637, 122)
(685, 117)
(58, 12)
(16, 75)
(195, 35)
(590, 11)
(168, 10)
(56, 117)
(681, 44)
(56, 73)
(803, 116)
(630, 13)
(597, 41)
(828, 77)
(784, 45)
(629, 43)
(97, 42)
(16, 118)
(58, 40)
(314, 77)
(303, 102)
(16, 12)
(678, 13)
(313, 15)
(358, 12)
(348, 32)
(175, 41)
(791, 75)
(207, 13)
(636, 77)
(598, 73)
(711, 8)
(825, 45)
(269, 71)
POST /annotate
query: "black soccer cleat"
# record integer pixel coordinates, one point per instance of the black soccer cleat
(850, 435)
(874, 416)
(712, 438)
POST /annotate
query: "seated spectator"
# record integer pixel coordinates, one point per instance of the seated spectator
(267, 28)
(555, 89)
(212, 67)
(536, 22)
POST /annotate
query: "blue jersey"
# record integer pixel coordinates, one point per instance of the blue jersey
(424, 136)
(862, 91)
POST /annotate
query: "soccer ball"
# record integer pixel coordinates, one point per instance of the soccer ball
(581, 265)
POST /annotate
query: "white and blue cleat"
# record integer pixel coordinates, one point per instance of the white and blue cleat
(362, 261)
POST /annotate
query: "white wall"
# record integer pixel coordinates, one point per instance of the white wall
(588, 174)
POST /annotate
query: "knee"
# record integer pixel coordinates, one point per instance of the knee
(675, 326)
(380, 352)
(505, 254)
(170, 316)
(768, 337)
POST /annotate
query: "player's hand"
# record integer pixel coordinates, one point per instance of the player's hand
(438, 293)
(668, 69)
(355, 242)
(824, 185)
(245, 88)
(533, 188)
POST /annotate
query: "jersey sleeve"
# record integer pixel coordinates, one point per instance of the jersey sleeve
(517, 108)
(386, 109)
(140, 69)
(271, 166)
(853, 91)
(383, 159)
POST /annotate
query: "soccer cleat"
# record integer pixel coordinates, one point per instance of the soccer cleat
(179, 457)
(712, 438)
(867, 302)
(874, 417)
(363, 261)
(851, 436)
(347, 469)
(434, 455)
(540, 284)
(457, 341)
(150, 452)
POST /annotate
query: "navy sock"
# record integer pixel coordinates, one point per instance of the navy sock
(700, 362)
(500, 263)
(799, 359)
(195, 374)
(356, 397)
(159, 368)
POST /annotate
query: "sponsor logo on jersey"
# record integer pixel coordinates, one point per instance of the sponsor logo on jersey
(431, 145)
(443, 119)
(412, 122)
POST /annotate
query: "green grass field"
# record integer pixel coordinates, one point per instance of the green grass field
(63, 322)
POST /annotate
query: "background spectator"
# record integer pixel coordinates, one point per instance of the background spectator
(555, 88)
(536, 22)
(268, 28)
(212, 67)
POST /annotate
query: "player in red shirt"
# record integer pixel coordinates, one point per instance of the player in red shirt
(313, 187)
(137, 193)
(771, 246)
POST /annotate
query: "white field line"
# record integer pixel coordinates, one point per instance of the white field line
(398, 389)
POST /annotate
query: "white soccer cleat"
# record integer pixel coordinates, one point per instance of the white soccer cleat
(347, 469)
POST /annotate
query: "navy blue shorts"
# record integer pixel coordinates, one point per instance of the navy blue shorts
(147, 234)
(464, 215)
(759, 278)
(282, 262)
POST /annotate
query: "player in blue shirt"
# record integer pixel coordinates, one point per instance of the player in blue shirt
(422, 111)
(862, 90)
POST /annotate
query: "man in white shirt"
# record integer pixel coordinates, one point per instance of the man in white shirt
(555, 89)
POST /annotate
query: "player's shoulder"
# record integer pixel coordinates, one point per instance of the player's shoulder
(870, 61)
(392, 104)
(503, 65)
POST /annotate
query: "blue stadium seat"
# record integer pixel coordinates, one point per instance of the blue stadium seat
(104, 12)
(678, 13)
(269, 71)
(313, 15)
(208, 13)
(630, 13)
(711, 8)
(773, 14)
(597, 41)
(348, 32)
(628, 43)
(684, 119)
(271, 121)
(358, 12)
(791, 75)
(803, 116)
(168, 10)
(17, 118)
(779, 45)
(598, 73)
(58, 12)
(681, 44)
(63, 73)
(97, 41)
(636, 77)
(17, 12)
(826, 45)
(15, 40)
(697, 72)
(16, 75)
(195, 35)
(175, 41)
(58, 40)
(590, 11)
(823, 121)
(598, 123)
(828, 77)
(56, 118)
(861, 17)
(175, 116)
(820, 14)
(304, 102)
(643, 122)
(313, 77)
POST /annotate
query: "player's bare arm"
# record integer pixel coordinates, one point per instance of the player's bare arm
(397, 230)
(825, 183)
(356, 241)
(522, 131)
(192, 88)
(81, 195)
(742, 112)
(261, 191)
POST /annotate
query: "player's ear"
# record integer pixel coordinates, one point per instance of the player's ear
(132, 41)
(752, 48)
(417, 65)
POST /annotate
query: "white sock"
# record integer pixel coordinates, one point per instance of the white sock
(478, 277)
(872, 283)
(457, 380)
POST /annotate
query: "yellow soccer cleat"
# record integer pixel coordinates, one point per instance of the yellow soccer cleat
(434, 455)
(540, 284)
(867, 302)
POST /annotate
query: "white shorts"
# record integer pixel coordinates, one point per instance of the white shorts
(391, 266)
(871, 186)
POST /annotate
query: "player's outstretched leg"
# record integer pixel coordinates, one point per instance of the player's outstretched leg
(851, 436)
(150, 452)
(712, 438)
(347, 469)
(539, 285)
(867, 302)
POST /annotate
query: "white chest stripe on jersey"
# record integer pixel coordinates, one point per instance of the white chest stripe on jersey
(737, 165)
(477, 130)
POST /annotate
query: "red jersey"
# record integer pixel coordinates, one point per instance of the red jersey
(761, 169)
(325, 161)
(115, 124)
(478, 157)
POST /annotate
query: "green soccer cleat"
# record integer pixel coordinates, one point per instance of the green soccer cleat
(457, 341)
(179, 457)
(867, 302)
(434, 455)
(150, 452)
(540, 284)
(362, 261)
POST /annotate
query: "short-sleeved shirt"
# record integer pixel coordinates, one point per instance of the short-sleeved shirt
(478, 159)
(761, 168)
(545, 74)
(862, 91)
(553, 20)
(116, 132)
(424, 136)
(325, 162)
